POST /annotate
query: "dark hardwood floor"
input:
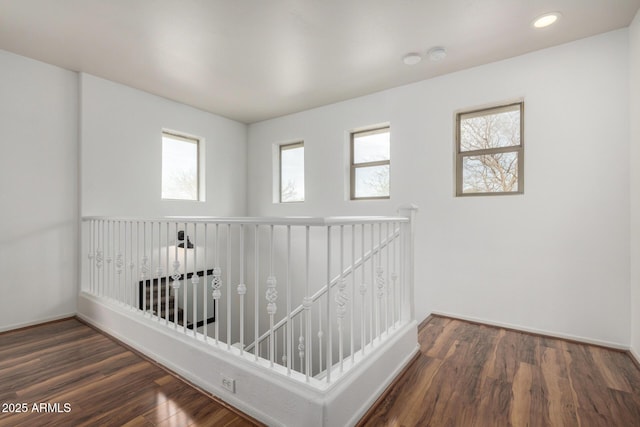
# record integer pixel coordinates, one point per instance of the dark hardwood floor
(68, 374)
(475, 375)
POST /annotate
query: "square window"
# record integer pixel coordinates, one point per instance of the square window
(292, 173)
(180, 167)
(490, 153)
(370, 164)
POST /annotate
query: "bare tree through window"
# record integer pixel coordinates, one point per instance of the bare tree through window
(490, 151)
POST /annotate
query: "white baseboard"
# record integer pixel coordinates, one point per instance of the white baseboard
(35, 322)
(585, 340)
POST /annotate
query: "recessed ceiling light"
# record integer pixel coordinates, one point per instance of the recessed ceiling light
(546, 20)
(411, 59)
(437, 53)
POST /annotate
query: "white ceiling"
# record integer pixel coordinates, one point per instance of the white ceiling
(251, 60)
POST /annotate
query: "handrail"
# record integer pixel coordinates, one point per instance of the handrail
(294, 220)
(347, 271)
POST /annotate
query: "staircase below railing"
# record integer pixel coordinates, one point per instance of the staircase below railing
(309, 298)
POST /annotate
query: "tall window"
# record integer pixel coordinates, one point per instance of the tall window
(490, 153)
(370, 162)
(180, 167)
(292, 172)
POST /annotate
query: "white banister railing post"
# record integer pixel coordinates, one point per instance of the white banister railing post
(341, 301)
(409, 212)
(216, 284)
(242, 288)
(195, 279)
(353, 292)
(185, 284)
(166, 280)
(176, 279)
(379, 283)
(289, 326)
(228, 256)
(205, 297)
(144, 269)
(271, 295)
(363, 292)
(90, 256)
(307, 303)
(329, 328)
(256, 291)
(132, 266)
(159, 272)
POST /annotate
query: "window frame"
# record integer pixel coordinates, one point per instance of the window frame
(285, 147)
(518, 149)
(193, 140)
(353, 166)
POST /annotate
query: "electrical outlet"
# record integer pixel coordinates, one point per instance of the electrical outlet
(228, 383)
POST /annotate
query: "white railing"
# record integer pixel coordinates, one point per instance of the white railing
(306, 297)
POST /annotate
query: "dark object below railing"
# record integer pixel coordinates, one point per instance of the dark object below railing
(144, 304)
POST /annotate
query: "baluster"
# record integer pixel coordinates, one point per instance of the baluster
(159, 273)
(99, 258)
(307, 302)
(329, 329)
(242, 289)
(389, 289)
(138, 268)
(195, 279)
(185, 275)
(90, 257)
(341, 299)
(284, 347)
(320, 334)
(205, 311)
(216, 284)
(289, 328)
(166, 280)
(109, 259)
(119, 262)
(363, 292)
(256, 292)
(144, 269)
(228, 255)
(394, 276)
(373, 280)
(379, 283)
(176, 276)
(301, 348)
(132, 266)
(151, 271)
(353, 291)
(271, 296)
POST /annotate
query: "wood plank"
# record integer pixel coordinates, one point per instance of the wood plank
(521, 395)
(561, 402)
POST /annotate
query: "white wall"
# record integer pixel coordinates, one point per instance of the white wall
(555, 259)
(121, 153)
(634, 94)
(38, 191)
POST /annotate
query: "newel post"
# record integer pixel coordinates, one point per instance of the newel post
(408, 235)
